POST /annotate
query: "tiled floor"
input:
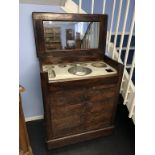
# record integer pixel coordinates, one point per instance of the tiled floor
(121, 142)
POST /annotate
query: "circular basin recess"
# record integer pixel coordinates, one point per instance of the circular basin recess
(79, 70)
(99, 64)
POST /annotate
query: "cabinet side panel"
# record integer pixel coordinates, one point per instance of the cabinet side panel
(46, 103)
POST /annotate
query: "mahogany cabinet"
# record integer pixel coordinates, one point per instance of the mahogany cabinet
(79, 110)
(82, 108)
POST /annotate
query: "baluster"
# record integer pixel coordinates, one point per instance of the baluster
(117, 26)
(124, 26)
(111, 25)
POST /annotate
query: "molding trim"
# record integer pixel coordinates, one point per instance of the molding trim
(34, 118)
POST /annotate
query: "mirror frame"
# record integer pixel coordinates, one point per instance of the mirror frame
(39, 17)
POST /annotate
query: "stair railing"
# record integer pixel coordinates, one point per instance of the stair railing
(127, 87)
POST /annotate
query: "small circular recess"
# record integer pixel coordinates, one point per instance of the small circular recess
(99, 64)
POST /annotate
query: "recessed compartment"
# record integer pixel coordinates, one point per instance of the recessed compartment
(109, 70)
(51, 73)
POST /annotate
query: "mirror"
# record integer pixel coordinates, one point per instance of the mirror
(61, 35)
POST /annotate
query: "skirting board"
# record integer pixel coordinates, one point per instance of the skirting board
(34, 118)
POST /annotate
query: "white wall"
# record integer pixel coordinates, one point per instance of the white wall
(29, 75)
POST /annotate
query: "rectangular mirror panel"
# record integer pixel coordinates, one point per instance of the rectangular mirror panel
(61, 35)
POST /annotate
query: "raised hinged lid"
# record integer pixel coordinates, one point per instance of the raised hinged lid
(63, 37)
